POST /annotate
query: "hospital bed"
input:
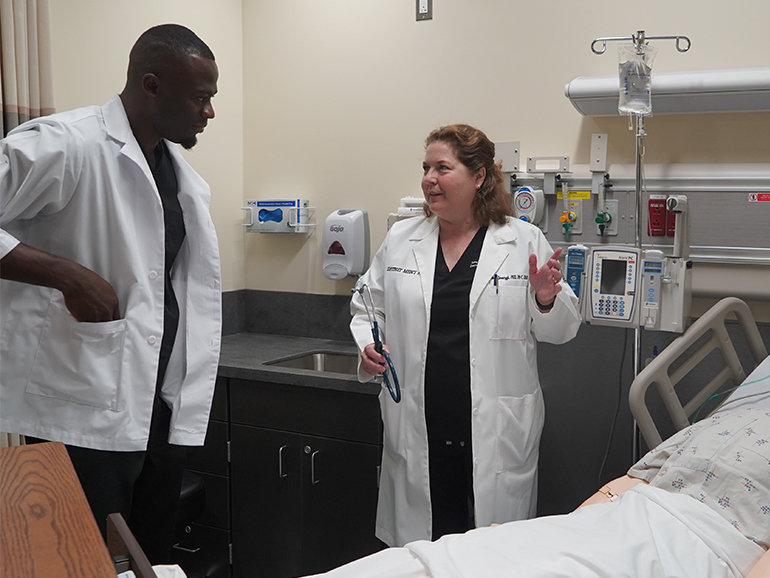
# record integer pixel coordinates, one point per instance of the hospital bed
(677, 535)
(126, 552)
(708, 334)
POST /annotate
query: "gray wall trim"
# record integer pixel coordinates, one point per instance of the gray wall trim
(233, 312)
(284, 313)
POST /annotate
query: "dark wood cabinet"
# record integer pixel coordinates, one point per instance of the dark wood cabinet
(338, 502)
(304, 473)
(267, 488)
(291, 476)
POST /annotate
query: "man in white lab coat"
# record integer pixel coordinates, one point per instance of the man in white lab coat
(110, 302)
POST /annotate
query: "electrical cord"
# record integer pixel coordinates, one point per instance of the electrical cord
(617, 407)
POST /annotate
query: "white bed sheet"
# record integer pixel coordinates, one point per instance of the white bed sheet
(647, 532)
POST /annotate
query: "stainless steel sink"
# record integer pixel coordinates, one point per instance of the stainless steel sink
(320, 361)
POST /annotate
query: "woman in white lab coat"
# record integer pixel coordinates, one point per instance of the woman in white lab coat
(461, 296)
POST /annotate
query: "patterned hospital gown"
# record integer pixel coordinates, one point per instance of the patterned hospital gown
(722, 461)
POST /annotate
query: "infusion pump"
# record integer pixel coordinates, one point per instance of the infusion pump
(625, 287)
(611, 287)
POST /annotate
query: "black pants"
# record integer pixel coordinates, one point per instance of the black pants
(143, 486)
(451, 487)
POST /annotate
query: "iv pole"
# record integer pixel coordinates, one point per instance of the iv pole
(638, 187)
(639, 40)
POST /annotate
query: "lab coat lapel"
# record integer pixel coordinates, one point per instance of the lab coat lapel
(425, 246)
(194, 197)
(493, 254)
(119, 129)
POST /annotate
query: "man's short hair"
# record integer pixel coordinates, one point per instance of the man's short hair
(160, 44)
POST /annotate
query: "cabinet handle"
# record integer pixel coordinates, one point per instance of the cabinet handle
(312, 468)
(183, 549)
(281, 472)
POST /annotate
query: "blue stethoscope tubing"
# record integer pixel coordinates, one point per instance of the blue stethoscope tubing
(394, 388)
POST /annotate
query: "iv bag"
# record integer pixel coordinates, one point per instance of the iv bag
(635, 70)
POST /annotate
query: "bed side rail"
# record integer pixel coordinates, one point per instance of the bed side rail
(658, 371)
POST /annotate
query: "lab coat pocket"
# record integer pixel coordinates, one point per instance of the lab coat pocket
(519, 424)
(78, 362)
(509, 318)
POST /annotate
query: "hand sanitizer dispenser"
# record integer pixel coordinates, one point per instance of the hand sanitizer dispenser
(345, 243)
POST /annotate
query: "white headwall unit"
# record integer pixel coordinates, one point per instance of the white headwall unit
(736, 90)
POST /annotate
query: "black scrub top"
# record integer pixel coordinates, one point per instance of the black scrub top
(173, 219)
(448, 365)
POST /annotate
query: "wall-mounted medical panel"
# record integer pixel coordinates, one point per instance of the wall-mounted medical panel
(728, 207)
(582, 205)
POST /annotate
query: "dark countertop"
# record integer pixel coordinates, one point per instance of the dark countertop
(243, 356)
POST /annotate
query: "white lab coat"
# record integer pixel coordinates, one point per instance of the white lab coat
(507, 404)
(76, 184)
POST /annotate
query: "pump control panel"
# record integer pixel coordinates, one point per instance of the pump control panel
(576, 263)
(613, 279)
(652, 271)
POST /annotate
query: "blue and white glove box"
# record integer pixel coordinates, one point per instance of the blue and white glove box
(277, 216)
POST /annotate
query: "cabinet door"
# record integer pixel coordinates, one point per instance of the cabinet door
(266, 513)
(339, 502)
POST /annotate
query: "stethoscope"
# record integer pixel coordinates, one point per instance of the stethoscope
(395, 389)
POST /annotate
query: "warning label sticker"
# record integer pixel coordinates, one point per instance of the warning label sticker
(759, 197)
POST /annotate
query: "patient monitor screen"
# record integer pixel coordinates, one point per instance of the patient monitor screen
(613, 281)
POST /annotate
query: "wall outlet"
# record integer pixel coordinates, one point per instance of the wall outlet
(670, 223)
(424, 9)
(656, 225)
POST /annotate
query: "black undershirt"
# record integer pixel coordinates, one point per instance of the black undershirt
(447, 367)
(168, 187)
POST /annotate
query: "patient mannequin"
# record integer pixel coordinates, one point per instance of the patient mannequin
(636, 525)
(715, 429)
(612, 490)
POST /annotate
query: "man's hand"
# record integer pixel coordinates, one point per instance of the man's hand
(88, 297)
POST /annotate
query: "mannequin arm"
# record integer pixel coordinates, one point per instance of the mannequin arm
(611, 490)
(762, 568)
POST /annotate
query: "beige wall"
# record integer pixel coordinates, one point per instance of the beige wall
(91, 41)
(341, 94)
(331, 100)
